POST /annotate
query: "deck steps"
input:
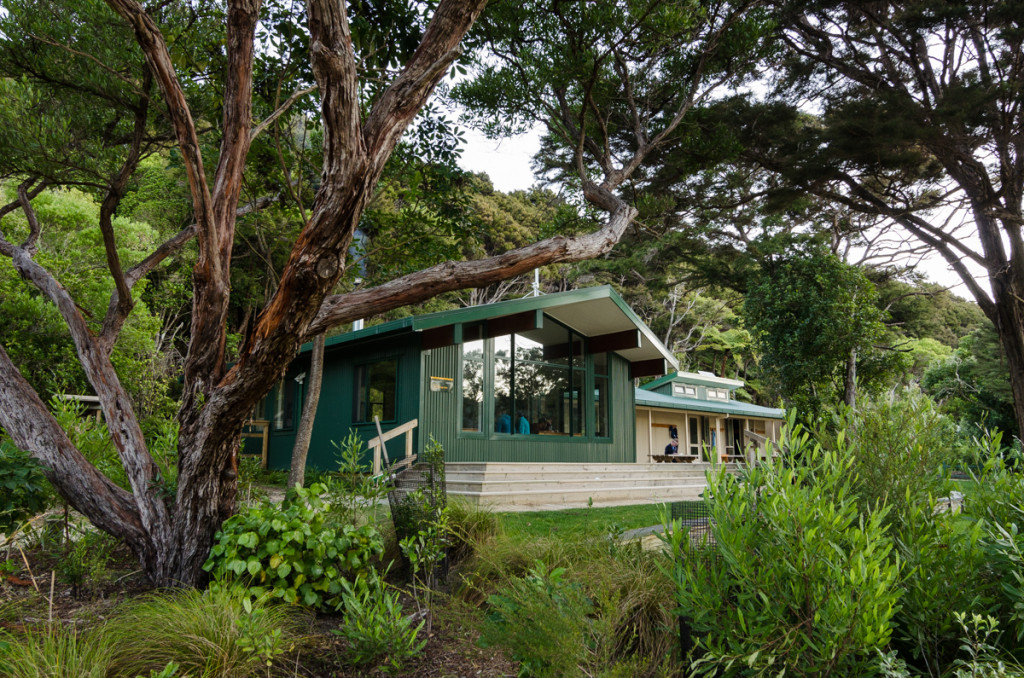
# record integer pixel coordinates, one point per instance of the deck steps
(530, 487)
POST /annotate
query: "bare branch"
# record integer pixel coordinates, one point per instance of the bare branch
(179, 239)
(456, 275)
(283, 108)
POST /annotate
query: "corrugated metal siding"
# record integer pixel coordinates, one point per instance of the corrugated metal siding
(440, 413)
(334, 412)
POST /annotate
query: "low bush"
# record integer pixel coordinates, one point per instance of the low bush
(212, 633)
(805, 585)
(898, 445)
(291, 553)
(85, 565)
(549, 623)
(24, 491)
(375, 625)
(530, 587)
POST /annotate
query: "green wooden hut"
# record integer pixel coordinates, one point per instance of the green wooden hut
(538, 380)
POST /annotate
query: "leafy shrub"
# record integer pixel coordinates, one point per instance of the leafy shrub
(352, 490)
(92, 439)
(24, 491)
(86, 564)
(898, 445)
(805, 584)
(290, 552)
(212, 633)
(375, 626)
(944, 571)
(550, 624)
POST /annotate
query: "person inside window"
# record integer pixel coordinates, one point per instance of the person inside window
(523, 426)
(503, 424)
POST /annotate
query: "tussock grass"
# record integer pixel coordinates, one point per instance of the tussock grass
(629, 621)
(208, 634)
(55, 651)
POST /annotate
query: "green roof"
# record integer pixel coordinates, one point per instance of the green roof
(694, 378)
(731, 407)
(591, 311)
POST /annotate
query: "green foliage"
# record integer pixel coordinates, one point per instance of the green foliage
(86, 563)
(972, 385)
(630, 599)
(92, 439)
(898, 445)
(544, 620)
(291, 553)
(808, 312)
(24, 491)
(979, 634)
(353, 488)
(206, 633)
(805, 584)
(552, 626)
(375, 625)
(71, 246)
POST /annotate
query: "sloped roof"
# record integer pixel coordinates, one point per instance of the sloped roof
(694, 378)
(730, 407)
(592, 311)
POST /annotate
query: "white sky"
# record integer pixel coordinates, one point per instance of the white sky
(506, 162)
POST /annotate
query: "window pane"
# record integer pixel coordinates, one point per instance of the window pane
(472, 385)
(538, 392)
(383, 395)
(579, 427)
(694, 437)
(284, 404)
(503, 384)
(376, 391)
(601, 407)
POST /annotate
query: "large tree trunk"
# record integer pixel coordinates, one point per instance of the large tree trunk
(1009, 321)
(297, 475)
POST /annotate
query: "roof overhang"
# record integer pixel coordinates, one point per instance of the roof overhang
(598, 313)
(695, 378)
(730, 408)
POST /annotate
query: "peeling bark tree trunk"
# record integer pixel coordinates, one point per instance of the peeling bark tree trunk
(297, 475)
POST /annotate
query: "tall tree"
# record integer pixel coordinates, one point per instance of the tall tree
(814, 320)
(918, 119)
(363, 114)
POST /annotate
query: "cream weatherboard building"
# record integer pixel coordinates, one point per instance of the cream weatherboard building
(712, 426)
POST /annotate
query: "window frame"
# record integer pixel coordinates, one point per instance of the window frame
(357, 416)
(582, 365)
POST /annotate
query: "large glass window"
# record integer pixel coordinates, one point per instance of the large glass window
(472, 385)
(538, 382)
(376, 391)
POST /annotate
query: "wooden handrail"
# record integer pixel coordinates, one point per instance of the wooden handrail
(377, 442)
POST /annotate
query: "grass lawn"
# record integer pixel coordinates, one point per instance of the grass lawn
(580, 521)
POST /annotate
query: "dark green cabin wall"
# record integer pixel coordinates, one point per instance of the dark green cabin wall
(334, 412)
(440, 414)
